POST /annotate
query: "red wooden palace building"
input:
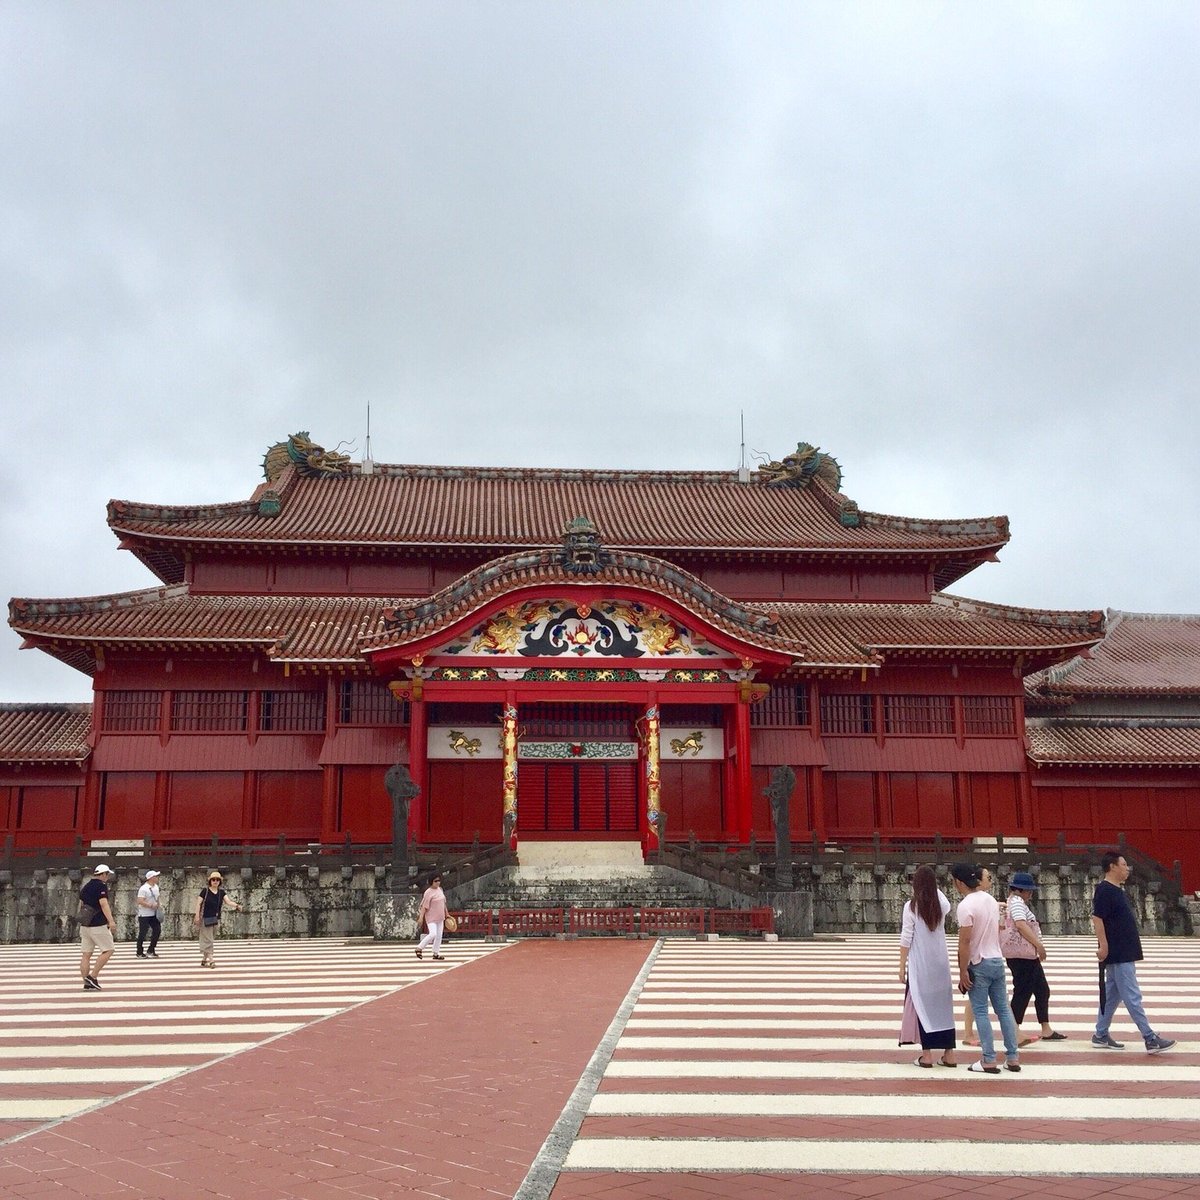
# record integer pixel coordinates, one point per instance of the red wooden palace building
(573, 655)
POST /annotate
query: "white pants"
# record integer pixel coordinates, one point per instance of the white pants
(433, 937)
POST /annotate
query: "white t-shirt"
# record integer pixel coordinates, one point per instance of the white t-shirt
(1018, 910)
(146, 893)
(979, 912)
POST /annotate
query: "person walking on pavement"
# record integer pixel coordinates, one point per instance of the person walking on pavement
(147, 914)
(1119, 950)
(981, 972)
(969, 1038)
(208, 915)
(433, 913)
(96, 927)
(1024, 951)
(925, 968)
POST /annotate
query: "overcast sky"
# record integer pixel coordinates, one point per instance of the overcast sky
(955, 245)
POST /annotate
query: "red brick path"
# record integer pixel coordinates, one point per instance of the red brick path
(444, 1090)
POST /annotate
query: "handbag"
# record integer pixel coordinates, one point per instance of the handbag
(1012, 944)
(451, 923)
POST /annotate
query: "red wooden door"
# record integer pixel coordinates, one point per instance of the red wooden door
(578, 797)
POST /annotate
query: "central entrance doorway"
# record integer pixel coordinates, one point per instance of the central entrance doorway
(592, 795)
(579, 797)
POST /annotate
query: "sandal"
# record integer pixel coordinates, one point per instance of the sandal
(1055, 1037)
(943, 1063)
(918, 1063)
(982, 1068)
(1029, 1039)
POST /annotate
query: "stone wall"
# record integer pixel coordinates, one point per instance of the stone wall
(865, 898)
(305, 901)
(288, 901)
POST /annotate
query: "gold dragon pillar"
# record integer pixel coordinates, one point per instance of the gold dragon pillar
(653, 808)
(508, 744)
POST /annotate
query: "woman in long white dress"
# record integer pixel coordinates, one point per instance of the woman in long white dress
(925, 967)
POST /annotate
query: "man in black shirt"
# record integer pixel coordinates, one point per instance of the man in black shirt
(96, 927)
(1119, 949)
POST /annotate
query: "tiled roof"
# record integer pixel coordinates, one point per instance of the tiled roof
(854, 633)
(1114, 742)
(1142, 654)
(44, 733)
(332, 629)
(547, 569)
(508, 510)
(289, 628)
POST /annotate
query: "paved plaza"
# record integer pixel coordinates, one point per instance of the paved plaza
(315, 1070)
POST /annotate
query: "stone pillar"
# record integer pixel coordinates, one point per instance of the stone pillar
(508, 743)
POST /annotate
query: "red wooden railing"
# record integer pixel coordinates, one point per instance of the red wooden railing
(602, 920)
(534, 922)
(529, 920)
(671, 920)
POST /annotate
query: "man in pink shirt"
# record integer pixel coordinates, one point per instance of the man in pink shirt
(981, 968)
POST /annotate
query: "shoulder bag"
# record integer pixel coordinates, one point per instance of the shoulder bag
(1012, 944)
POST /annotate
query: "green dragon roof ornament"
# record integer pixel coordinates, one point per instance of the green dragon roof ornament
(800, 468)
(301, 452)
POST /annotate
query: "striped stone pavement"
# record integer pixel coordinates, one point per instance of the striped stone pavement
(64, 1050)
(752, 1070)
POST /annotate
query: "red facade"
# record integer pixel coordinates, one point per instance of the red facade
(550, 676)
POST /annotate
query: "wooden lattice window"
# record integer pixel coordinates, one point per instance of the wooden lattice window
(785, 704)
(368, 702)
(847, 714)
(209, 712)
(126, 712)
(291, 712)
(988, 715)
(918, 714)
(578, 720)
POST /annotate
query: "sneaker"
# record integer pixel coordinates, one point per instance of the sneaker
(1156, 1044)
(152, 954)
(140, 954)
(90, 985)
(1108, 1042)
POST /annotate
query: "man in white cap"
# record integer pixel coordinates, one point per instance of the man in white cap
(147, 914)
(96, 927)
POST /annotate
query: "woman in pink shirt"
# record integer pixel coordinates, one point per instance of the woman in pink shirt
(981, 970)
(433, 913)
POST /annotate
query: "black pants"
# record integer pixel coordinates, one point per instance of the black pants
(151, 925)
(1029, 980)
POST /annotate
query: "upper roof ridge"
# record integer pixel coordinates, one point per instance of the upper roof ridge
(35, 606)
(1090, 619)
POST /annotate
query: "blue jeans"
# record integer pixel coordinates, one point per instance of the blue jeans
(1121, 987)
(988, 982)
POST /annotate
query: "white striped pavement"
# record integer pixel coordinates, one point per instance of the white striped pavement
(156, 1018)
(763, 1038)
